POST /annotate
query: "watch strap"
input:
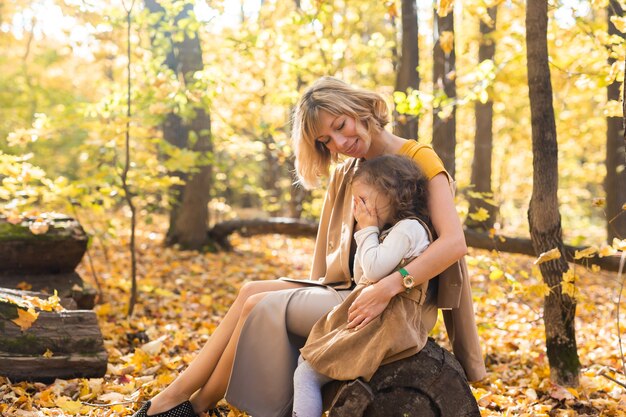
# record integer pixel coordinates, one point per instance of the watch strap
(403, 272)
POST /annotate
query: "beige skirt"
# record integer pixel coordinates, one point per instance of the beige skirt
(261, 382)
(346, 354)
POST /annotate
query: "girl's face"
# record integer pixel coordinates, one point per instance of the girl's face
(343, 134)
(375, 201)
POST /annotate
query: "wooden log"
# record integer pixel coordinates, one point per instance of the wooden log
(67, 285)
(282, 225)
(58, 250)
(304, 228)
(429, 384)
(63, 344)
(10, 294)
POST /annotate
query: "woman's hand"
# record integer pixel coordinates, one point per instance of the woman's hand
(363, 215)
(367, 306)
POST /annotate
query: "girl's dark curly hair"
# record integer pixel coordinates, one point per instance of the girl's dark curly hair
(401, 180)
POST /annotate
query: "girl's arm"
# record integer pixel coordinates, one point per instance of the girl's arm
(448, 248)
(377, 259)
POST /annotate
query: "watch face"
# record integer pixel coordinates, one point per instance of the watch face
(408, 282)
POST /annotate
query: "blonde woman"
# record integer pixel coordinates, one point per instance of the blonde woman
(251, 357)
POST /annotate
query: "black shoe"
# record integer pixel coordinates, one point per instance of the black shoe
(219, 411)
(181, 410)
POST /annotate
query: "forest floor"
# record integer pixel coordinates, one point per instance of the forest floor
(183, 295)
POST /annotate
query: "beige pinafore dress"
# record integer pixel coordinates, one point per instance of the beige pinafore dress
(398, 332)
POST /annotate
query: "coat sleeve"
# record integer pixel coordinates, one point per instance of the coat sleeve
(461, 329)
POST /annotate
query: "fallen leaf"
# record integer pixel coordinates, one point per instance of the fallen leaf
(25, 318)
(39, 227)
(586, 253)
(560, 393)
(550, 255)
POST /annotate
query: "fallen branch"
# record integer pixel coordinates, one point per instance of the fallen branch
(306, 228)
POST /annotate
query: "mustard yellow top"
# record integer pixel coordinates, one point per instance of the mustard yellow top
(424, 156)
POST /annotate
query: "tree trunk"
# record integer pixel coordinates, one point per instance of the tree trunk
(406, 126)
(483, 149)
(475, 239)
(615, 181)
(189, 214)
(429, 384)
(444, 115)
(543, 213)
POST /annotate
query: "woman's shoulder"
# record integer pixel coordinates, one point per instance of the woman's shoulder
(424, 156)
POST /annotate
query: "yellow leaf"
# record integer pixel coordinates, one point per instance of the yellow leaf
(586, 253)
(445, 6)
(569, 276)
(619, 244)
(446, 41)
(595, 268)
(619, 22)
(25, 318)
(599, 202)
(569, 289)
(14, 218)
(539, 290)
(47, 354)
(496, 274)
(24, 286)
(606, 250)
(480, 215)
(38, 227)
(550, 255)
(69, 406)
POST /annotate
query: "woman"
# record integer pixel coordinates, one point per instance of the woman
(253, 353)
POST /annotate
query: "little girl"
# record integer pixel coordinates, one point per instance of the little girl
(390, 194)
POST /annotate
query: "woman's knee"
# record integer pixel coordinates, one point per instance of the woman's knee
(249, 289)
(251, 302)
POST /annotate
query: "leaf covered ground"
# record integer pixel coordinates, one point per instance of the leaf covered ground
(183, 295)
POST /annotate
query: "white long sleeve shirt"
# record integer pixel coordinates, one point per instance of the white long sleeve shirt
(375, 260)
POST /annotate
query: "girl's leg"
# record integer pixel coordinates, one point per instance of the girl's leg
(201, 368)
(307, 389)
(215, 388)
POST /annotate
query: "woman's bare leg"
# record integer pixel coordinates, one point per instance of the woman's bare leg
(202, 367)
(215, 388)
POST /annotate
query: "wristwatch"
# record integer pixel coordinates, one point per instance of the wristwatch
(407, 279)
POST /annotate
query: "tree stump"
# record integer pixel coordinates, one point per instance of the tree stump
(45, 261)
(59, 344)
(431, 383)
(58, 250)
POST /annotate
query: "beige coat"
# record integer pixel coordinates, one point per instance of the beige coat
(266, 357)
(331, 266)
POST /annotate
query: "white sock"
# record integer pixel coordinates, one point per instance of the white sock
(307, 387)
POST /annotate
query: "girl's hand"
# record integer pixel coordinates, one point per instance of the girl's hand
(364, 215)
(367, 306)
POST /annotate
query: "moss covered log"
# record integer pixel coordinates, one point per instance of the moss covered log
(62, 344)
(57, 250)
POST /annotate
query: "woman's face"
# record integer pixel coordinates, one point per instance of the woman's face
(343, 134)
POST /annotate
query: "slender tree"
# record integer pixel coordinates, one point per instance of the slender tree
(483, 139)
(543, 213)
(444, 73)
(406, 126)
(615, 181)
(189, 214)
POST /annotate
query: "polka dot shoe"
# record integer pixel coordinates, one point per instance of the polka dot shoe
(181, 410)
